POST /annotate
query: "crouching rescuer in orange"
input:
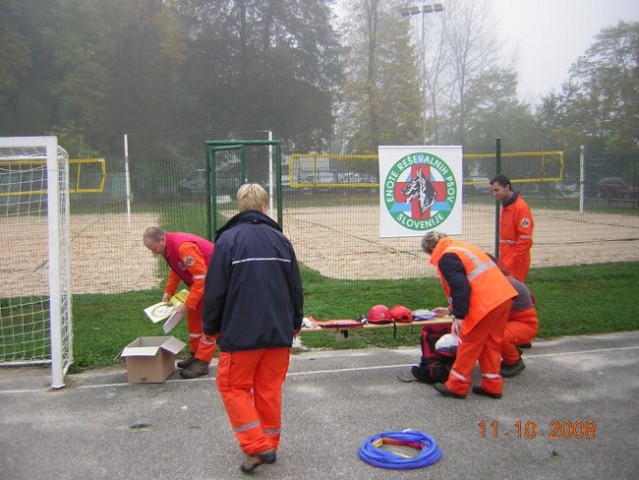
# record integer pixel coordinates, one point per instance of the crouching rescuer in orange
(480, 298)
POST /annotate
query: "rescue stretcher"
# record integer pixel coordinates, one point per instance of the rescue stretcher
(345, 325)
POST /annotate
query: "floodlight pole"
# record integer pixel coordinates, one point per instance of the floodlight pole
(582, 171)
(270, 172)
(127, 180)
(410, 11)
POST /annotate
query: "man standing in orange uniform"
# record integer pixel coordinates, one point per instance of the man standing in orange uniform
(254, 301)
(479, 298)
(515, 228)
(188, 257)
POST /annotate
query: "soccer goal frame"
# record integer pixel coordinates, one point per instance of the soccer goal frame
(35, 280)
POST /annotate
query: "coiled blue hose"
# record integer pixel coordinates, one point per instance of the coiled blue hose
(370, 452)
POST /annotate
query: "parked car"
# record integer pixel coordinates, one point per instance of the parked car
(567, 190)
(357, 177)
(479, 184)
(320, 180)
(286, 184)
(615, 188)
(321, 177)
(195, 183)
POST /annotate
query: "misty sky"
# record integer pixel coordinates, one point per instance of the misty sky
(550, 35)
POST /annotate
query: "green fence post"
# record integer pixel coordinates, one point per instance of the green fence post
(497, 206)
(211, 206)
(278, 176)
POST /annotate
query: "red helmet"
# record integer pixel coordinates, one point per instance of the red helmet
(400, 313)
(379, 314)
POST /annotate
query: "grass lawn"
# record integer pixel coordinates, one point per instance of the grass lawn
(570, 301)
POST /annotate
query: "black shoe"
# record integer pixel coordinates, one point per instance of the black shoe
(197, 369)
(525, 345)
(481, 391)
(254, 461)
(250, 464)
(268, 457)
(186, 363)
(513, 369)
(441, 388)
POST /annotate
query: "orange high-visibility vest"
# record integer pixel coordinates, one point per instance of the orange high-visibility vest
(489, 288)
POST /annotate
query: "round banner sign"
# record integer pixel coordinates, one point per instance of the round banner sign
(420, 191)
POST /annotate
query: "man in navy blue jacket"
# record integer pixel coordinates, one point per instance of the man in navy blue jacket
(253, 299)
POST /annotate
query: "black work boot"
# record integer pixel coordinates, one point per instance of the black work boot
(513, 369)
(197, 369)
(441, 388)
(254, 461)
(485, 393)
(186, 363)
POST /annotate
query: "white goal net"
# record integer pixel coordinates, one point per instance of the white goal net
(35, 270)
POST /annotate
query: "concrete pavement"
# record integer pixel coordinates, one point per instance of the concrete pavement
(100, 427)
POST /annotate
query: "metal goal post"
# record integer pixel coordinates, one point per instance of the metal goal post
(35, 273)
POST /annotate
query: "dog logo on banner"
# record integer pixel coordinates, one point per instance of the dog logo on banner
(420, 191)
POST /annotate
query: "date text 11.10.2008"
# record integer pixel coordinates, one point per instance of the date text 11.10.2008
(555, 429)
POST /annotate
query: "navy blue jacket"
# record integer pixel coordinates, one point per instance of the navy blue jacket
(253, 295)
(456, 277)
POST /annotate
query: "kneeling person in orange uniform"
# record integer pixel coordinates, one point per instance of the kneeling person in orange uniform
(254, 301)
(480, 298)
(188, 257)
(521, 328)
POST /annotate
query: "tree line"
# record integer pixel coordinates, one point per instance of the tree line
(322, 75)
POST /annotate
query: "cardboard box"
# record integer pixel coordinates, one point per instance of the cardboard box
(151, 359)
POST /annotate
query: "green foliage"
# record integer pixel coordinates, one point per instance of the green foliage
(381, 101)
(598, 104)
(493, 111)
(104, 324)
(28, 324)
(402, 336)
(15, 55)
(89, 70)
(570, 301)
(330, 299)
(586, 299)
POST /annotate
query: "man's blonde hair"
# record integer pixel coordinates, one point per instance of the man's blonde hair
(251, 196)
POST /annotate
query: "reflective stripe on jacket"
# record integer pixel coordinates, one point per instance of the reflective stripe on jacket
(489, 288)
(253, 296)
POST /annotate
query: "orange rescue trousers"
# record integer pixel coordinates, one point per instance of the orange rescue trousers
(482, 343)
(250, 383)
(521, 328)
(202, 346)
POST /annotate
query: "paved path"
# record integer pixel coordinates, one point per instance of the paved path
(100, 427)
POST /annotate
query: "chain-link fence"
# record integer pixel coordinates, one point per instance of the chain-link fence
(331, 214)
